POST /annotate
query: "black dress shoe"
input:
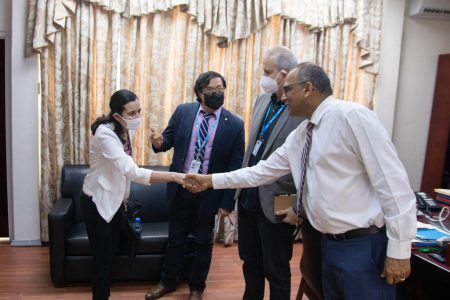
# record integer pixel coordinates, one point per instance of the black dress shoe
(158, 292)
(194, 295)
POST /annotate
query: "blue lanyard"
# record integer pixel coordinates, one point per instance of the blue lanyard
(202, 145)
(267, 125)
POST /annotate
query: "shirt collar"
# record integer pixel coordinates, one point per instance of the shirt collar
(275, 100)
(216, 112)
(321, 109)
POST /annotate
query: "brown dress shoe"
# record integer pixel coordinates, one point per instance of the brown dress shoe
(158, 292)
(194, 295)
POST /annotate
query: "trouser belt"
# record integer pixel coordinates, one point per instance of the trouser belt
(355, 233)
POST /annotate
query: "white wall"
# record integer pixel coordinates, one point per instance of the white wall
(390, 55)
(22, 129)
(423, 41)
(404, 94)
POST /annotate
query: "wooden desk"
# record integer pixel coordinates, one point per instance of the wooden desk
(429, 278)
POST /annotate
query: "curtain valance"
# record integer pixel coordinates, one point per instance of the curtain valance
(229, 20)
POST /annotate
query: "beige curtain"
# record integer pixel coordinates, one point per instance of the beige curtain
(229, 20)
(89, 48)
(77, 79)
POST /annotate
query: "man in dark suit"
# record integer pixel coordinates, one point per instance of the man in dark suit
(265, 243)
(206, 139)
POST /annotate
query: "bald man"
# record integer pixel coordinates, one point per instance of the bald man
(265, 244)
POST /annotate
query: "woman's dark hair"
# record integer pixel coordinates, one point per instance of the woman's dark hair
(117, 103)
(203, 81)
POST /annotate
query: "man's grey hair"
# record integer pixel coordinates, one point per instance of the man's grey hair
(284, 58)
(310, 72)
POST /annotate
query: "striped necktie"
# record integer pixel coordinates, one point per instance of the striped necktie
(305, 155)
(199, 152)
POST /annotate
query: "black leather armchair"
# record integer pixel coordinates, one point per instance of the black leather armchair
(70, 255)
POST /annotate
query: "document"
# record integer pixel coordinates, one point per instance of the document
(282, 202)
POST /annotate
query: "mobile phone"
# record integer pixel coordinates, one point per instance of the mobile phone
(438, 257)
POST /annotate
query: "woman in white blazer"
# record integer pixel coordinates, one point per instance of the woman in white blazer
(107, 185)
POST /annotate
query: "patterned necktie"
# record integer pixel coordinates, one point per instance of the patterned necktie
(305, 155)
(199, 152)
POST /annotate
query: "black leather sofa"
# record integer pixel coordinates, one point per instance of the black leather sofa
(70, 255)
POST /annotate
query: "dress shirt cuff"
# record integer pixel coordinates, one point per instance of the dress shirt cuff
(399, 249)
(219, 181)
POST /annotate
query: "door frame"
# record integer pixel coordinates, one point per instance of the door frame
(7, 37)
(438, 133)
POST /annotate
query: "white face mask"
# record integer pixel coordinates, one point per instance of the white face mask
(268, 84)
(133, 124)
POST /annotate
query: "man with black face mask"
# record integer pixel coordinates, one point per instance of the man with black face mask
(206, 139)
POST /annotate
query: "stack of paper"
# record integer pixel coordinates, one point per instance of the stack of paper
(443, 197)
(428, 235)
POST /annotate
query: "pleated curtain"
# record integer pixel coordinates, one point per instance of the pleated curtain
(157, 48)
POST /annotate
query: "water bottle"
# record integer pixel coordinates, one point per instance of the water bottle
(138, 226)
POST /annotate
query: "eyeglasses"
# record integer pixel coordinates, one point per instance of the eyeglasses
(287, 88)
(210, 90)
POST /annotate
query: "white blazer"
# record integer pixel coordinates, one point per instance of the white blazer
(110, 172)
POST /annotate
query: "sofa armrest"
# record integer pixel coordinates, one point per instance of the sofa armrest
(60, 220)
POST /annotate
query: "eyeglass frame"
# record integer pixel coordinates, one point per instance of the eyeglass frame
(288, 88)
(210, 90)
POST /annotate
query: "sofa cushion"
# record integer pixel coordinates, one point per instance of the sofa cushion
(153, 240)
(153, 201)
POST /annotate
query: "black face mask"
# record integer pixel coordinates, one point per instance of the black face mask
(214, 100)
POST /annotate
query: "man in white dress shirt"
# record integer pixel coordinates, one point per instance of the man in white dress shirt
(356, 190)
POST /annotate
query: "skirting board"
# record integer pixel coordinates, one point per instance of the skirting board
(26, 243)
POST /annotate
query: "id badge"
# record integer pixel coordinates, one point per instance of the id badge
(195, 166)
(257, 146)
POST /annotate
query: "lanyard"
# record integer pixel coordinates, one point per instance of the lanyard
(267, 125)
(202, 145)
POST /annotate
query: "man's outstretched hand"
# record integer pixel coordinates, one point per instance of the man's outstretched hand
(197, 182)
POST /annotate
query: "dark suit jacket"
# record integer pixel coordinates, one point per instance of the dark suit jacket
(226, 154)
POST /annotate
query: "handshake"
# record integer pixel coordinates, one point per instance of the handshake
(195, 183)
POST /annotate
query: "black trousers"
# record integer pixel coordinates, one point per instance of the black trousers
(266, 249)
(103, 239)
(184, 218)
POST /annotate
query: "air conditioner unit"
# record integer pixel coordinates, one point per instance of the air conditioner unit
(437, 9)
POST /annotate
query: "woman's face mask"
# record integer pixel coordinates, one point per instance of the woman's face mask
(132, 124)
